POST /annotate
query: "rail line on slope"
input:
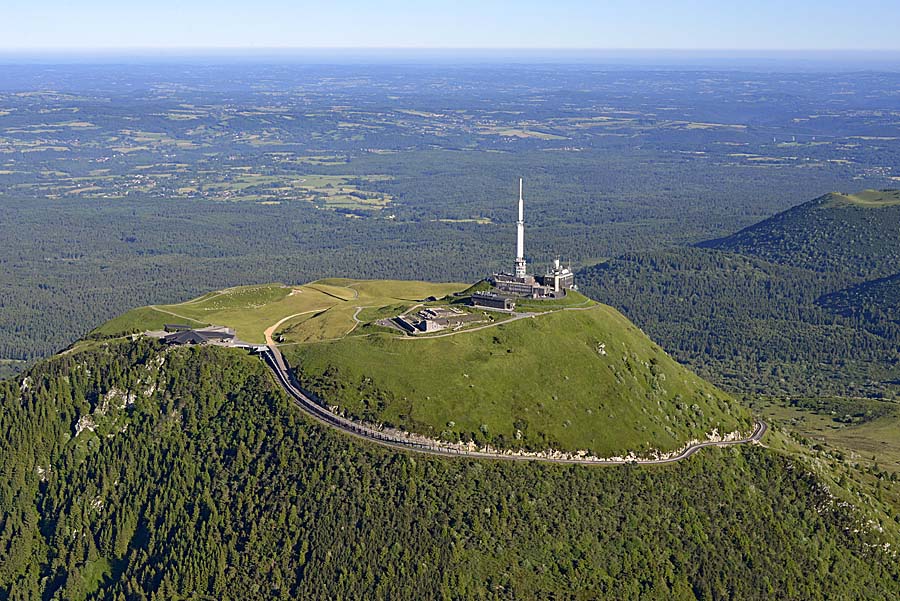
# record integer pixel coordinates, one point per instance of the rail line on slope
(275, 361)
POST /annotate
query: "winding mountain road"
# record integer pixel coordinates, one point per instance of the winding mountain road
(275, 361)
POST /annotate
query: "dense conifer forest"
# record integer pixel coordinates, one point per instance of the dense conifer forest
(750, 325)
(133, 472)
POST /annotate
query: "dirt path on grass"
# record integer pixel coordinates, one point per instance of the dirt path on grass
(271, 329)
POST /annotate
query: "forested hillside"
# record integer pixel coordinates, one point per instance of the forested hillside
(854, 234)
(795, 304)
(750, 325)
(871, 302)
(133, 472)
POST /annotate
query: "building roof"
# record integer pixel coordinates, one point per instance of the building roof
(198, 336)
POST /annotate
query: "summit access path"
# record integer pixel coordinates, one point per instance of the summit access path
(515, 317)
(275, 361)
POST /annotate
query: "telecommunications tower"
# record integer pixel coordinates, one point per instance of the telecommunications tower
(520, 236)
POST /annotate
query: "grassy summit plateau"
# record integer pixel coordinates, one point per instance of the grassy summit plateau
(319, 310)
(570, 374)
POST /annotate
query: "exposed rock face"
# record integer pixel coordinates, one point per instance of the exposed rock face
(85, 422)
(120, 399)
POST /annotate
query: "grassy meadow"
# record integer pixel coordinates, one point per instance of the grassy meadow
(319, 310)
(580, 379)
(866, 198)
(867, 431)
(576, 375)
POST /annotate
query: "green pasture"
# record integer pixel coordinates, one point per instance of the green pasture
(533, 383)
(866, 198)
(316, 311)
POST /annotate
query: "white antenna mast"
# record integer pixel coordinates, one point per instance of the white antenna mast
(520, 236)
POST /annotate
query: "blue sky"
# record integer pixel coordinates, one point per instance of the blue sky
(583, 24)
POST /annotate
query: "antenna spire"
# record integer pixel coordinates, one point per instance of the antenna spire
(520, 236)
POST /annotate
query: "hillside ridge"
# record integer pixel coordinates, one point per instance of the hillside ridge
(185, 471)
(564, 375)
(838, 232)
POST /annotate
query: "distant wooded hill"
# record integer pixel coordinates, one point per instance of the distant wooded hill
(798, 303)
(857, 234)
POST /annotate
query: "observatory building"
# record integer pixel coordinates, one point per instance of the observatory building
(553, 284)
(559, 278)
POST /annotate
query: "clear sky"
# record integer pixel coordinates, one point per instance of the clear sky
(583, 24)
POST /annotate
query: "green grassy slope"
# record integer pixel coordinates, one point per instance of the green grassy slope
(142, 319)
(576, 379)
(211, 485)
(866, 431)
(251, 310)
(867, 198)
(851, 233)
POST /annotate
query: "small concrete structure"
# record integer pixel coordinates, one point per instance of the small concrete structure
(405, 324)
(433, 319)
(455, 321)
(492, 300)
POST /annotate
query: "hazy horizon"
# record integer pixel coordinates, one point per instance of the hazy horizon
(659, 57)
